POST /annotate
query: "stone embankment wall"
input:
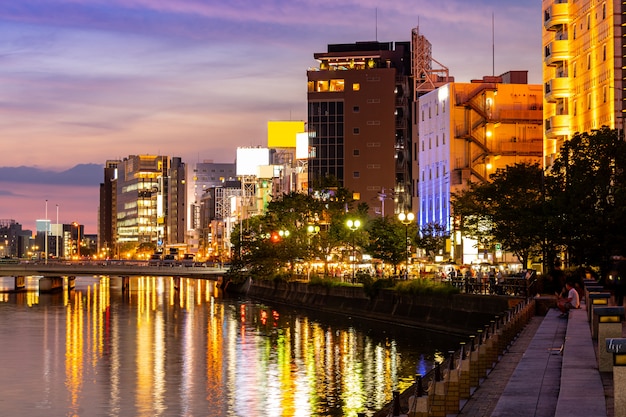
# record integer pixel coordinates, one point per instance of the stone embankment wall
(462, 314)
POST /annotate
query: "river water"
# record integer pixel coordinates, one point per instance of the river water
(178, 348)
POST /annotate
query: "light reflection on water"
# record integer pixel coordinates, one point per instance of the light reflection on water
(172, 347)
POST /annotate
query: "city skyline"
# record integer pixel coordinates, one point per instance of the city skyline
(86, 81)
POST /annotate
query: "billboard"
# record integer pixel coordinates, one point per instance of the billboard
(282, 134)
(302, 145)
(249, 159)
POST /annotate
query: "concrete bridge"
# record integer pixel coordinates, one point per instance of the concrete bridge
(53, 273)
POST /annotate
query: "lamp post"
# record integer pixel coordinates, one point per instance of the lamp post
(353, 225)
(56, 244)
(312, 230)
(46, 236)
(406, 219)
(77, 239)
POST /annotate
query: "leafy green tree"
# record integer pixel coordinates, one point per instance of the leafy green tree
(388, 240)
(508, 210)
(432, 238)
(586, 186)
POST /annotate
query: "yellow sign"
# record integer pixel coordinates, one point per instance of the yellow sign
(283, 134)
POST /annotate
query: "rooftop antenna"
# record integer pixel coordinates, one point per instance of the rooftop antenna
(376, 25)
(493, 47)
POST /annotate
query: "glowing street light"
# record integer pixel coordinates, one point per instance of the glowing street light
(353, 225)
(406, 219)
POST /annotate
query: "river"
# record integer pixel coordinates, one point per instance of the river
(171, 347)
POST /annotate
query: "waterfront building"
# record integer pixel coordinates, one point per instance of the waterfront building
(201, 177)
(583, 47)
(107, 219)
(141, 189)
(12, 239)
(467, 131)
(175, 211)
(359, 120)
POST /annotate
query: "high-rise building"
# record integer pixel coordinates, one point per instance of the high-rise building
(359, 120)
(467, 131)
(141, 199)
(107, 219)
(175, 211)
(583, 48)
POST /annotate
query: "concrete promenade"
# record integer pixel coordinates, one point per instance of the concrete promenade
(550, 370)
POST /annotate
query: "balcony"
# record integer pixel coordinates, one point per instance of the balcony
(557, 126)
(556, 16)
(557, 88)
(556, 52)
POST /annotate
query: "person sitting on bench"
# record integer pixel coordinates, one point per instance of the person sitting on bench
(572, 300)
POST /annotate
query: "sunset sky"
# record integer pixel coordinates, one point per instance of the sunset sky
(83, 81)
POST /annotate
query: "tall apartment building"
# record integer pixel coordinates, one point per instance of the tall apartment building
(466, 132)
(583, 48)
(359, 119)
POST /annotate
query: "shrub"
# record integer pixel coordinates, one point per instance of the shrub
(425, 287)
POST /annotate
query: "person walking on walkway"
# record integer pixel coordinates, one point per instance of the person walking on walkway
(572, 300)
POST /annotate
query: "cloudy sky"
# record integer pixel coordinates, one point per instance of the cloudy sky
(83, 81)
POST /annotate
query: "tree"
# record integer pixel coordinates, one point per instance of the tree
(388, 240)
(508, 210)
(586, 186)
(431, 238)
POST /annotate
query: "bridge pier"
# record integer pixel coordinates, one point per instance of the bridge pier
(71, 283)
(20, 283)
(50, 284)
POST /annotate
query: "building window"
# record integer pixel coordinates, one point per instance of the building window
(604, 94)
(588, 61)
(356, 109)
(422, 115)
(356, 174)
(356, 152)
(356, 86)
(604, 52)
(356, 131)
(603, 11)
(336, 85)
(589, 101)
(575, 108)
(588, 21)
(443, 138)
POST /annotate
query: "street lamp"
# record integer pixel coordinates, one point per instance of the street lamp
(75, 224)
(406, 219)
(353, 225)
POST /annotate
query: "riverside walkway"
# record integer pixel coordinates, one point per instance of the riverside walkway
(550, 370)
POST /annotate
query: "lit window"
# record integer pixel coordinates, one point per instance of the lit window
(322, 86)
(336, 85)
(356, 86)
